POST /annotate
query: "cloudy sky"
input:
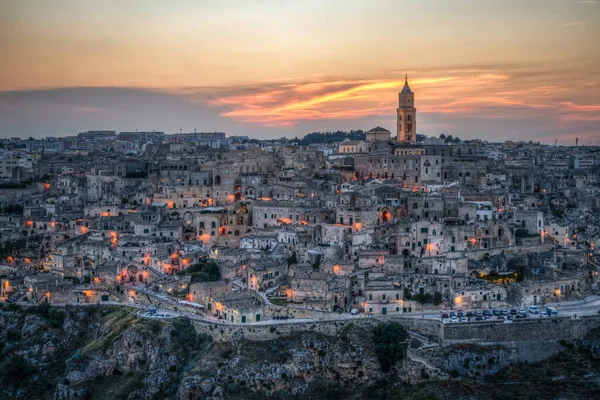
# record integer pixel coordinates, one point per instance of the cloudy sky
(496, 70)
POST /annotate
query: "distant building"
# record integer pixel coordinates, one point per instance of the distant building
(378, 133)
(97, 135)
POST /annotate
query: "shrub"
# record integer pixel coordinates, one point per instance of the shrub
(16, 371)
(389, 340)
(13, 335)
(202, 272)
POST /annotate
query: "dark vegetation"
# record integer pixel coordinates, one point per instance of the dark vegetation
(390, 344)
(330, 137)
(13, 185)
(13, 248)
(12, 209)
(425, 298)
(207, 271)
(450, 139)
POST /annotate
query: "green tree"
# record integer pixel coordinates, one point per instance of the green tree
(293, 259)
(207, 271)
(16, 371)
(390, 344)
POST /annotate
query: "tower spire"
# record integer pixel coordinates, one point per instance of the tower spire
(405, 78)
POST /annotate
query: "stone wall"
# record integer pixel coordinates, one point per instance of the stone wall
(274, 329)
(538, 329)
(479, 253)
(299, 313)
(258, 332)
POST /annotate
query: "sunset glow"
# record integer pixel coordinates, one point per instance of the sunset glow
(503, 70)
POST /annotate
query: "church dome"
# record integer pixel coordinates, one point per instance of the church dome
(378, 129)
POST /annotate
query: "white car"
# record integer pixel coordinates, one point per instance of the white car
(453, 319)
(534, 310)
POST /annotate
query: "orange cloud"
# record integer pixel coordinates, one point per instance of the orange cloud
(512, 93)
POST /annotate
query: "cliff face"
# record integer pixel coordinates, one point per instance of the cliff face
(82, 353)
(287, 365)
(109, 353)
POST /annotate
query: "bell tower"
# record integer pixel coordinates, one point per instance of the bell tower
(406, 126)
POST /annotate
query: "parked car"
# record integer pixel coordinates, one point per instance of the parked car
(500, 318)
(513, 312)
(452, 314)
(463, 319)
(534, 310)
(496, 312)
(522, 311)
(487, 313)
(453, 319)
(504, 312)
(469, 314)
(445, 315)
(478, 313)
(460, 314)
(478, 318)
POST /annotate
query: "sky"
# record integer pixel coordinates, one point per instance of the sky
(490, 69)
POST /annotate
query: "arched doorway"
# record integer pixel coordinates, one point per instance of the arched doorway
(393, 245)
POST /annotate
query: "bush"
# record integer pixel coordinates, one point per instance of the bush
(566, 344)
(16, 371)
(13, 335)
(426, 298)
(293, 259)
(454, 373)
(202, 272)
(389, 340)
(186, 339)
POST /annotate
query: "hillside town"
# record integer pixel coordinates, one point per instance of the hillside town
(244, 231)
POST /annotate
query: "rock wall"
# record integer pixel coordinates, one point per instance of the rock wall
(272, 330)
(299, 313)
(538, 329)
